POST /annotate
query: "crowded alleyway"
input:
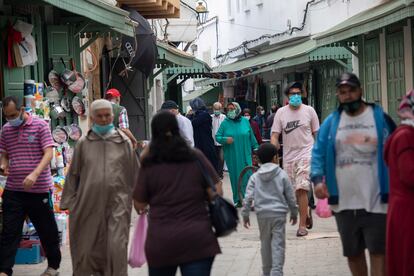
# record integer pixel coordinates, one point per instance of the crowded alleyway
(320, 252)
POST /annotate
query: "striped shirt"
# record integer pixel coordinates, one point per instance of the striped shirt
(123, 118)
(24, 146)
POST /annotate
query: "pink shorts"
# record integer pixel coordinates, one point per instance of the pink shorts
(298, 172)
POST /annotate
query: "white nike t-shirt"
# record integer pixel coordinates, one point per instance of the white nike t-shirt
(296, 128)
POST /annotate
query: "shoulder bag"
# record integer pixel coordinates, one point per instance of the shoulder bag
(223, 214)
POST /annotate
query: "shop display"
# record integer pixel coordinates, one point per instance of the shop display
(78, 105)
(79, 84)
(67, 77)
(59, 135)
(54, 78)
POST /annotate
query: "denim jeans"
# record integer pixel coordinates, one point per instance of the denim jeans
(196, 268)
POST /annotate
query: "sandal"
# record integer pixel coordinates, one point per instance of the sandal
(309, 220)
(301, 232)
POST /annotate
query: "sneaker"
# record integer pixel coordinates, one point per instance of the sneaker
(50, 272)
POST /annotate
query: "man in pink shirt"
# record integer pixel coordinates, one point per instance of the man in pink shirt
(298, 124)
(26, 148)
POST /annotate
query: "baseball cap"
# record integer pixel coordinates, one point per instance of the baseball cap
(169, 105)
(113, 92)
(291, 85)
(348, 79)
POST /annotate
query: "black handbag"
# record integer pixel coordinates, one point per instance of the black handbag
(223, 214)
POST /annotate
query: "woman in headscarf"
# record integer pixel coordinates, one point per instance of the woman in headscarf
(399, 155)
(237, 138)
(202, 127)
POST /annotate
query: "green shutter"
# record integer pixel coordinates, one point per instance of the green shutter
(372, 74)
(395, 72)
(328, 73)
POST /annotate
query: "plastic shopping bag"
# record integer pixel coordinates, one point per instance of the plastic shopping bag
(137, 251)
(322, 208)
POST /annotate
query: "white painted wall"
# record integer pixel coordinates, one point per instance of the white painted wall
(241, 20)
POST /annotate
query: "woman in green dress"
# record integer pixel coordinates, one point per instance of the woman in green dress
(238, 141)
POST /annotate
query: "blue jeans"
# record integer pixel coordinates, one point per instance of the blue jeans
(196, 268)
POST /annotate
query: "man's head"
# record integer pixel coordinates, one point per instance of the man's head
(13, 111)
(113, 95)
(294, 93)
(101, 112)
(260, 110)
(170, 106)
(217, 108)
(267, 153)
(349, 93)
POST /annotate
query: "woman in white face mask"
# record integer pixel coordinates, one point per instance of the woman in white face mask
(237, 138)
(247, 113)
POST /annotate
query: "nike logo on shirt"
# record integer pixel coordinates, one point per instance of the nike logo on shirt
(291, 126)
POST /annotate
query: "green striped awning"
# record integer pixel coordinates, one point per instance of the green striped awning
(366, 21)
(178, 62)
(115, 18)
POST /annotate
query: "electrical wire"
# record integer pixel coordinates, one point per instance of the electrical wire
(286, 32)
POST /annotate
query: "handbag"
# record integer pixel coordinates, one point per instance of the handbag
(223, 215)
(137, 251)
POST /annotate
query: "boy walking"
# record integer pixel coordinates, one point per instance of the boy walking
(273, 197)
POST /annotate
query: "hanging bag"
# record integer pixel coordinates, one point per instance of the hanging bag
(137, 251)
(322, 208)
(223, 214)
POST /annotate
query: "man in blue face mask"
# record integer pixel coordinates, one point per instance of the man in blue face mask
(26, 148)
(298, 124)
(98, 195)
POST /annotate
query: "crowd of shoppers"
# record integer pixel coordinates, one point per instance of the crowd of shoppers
(357, 159)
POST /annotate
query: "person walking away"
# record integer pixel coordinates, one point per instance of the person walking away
(273, 197)
(217, 118)
(255, 127)
(237, 138)
(399, 156)
(98, 195)
(260, 119)
(171, 182)
(121, 120)
(298, 125)
(348, 153)
(186, 128)
(26, 146)
(202, 127)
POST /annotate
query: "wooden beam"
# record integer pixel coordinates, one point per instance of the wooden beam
(172, 78)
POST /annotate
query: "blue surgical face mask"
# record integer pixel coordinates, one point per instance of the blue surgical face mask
(102, 129)
(217, 112)
(17, 121)
(295, 100)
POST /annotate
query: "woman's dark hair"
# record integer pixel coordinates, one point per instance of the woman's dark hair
(247, 110)
(167, 145)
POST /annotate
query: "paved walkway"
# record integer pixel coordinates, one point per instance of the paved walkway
(318, 254)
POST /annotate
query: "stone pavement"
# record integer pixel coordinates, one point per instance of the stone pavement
(318, 254)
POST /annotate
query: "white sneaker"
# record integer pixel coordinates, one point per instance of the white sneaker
(50, 272)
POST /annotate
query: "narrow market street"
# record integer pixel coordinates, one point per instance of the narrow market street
(317, 254)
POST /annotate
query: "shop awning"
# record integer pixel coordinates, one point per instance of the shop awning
(366, 21)
(115, 18)
(179, 63)
(198, 93)
(291, 55)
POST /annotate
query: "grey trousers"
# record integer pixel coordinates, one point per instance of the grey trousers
(273, 244)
